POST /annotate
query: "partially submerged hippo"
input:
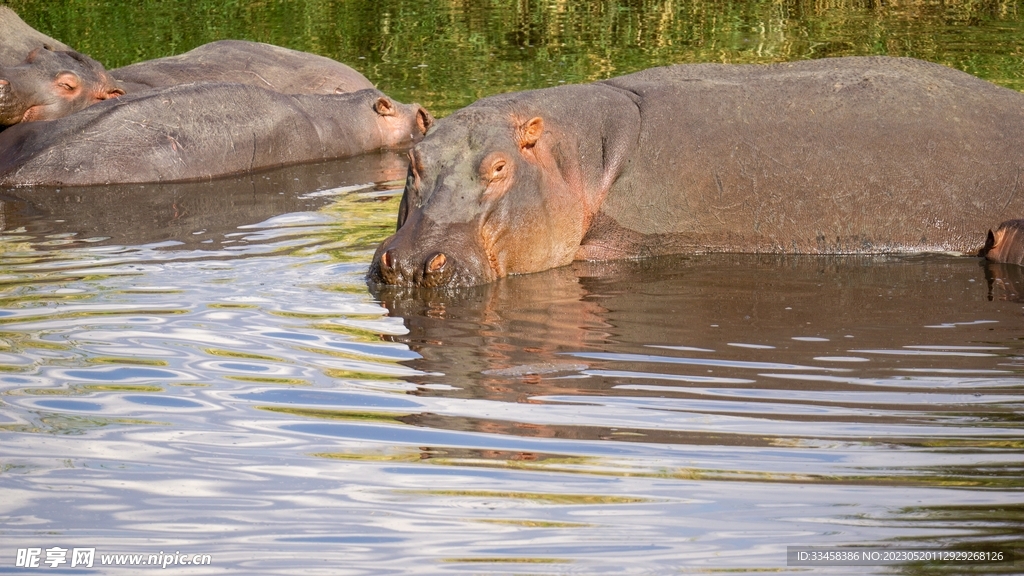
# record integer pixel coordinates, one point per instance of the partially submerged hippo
(832, 156)
(243, 62)
(1006, 244)
(51, 84)
(202, 131)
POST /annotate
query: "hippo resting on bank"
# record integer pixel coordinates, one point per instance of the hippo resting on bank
(833, 156)
(199, 131)
(242, 62)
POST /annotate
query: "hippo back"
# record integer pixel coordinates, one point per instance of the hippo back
(843, 155)
(242, 62)
(17, 39)
(199, 131)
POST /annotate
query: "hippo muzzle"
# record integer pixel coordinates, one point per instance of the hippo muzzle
(11, 109)
(453, 259)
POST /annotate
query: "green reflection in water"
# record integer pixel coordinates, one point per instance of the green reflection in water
(242, 355)
(388, 417)
(360, 334)
(974, 528)
(270, 380)
(447, 53)
(121, 388)
(360, 222)
(131, 361)
(354, 375)
(65, 424)
(83, 314)
(20, 341)
(79, 390)
(991, 477)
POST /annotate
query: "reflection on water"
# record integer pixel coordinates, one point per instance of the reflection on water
(238, 392)
(201, 215)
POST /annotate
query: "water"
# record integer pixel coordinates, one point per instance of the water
(200, 368)
(216, 379)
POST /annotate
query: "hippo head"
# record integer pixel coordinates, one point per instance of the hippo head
(491, 191)
(400, 124)
(51, 84)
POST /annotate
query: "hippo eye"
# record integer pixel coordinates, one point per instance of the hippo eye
(498, 169)
(67, 81)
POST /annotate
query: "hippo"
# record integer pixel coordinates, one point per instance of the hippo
(17, 39)
(51, 84)
(243, 62)
(854, 155)
(42, 78)
(200, 131)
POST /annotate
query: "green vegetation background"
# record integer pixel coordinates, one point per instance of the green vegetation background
(447, 53)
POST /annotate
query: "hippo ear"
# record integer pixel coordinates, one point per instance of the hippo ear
(990, 243)
(423, 120)
(383, 106)
(529, 132)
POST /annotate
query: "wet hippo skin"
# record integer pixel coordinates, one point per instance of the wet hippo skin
(832, 156)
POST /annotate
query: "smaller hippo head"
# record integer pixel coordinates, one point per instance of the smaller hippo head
(51, 84)
(492, 190)
(400, 123)
(1006, 244)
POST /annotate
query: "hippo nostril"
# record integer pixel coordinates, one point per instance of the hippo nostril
(436, 263)
(387, 259)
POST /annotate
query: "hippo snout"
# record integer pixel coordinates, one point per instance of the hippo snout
(436, 270)
(8, 106)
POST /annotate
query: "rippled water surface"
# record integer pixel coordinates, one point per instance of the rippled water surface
(200, 368)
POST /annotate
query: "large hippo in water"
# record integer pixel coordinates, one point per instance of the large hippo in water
(243, 62)
(197, 131)
(833, 156)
